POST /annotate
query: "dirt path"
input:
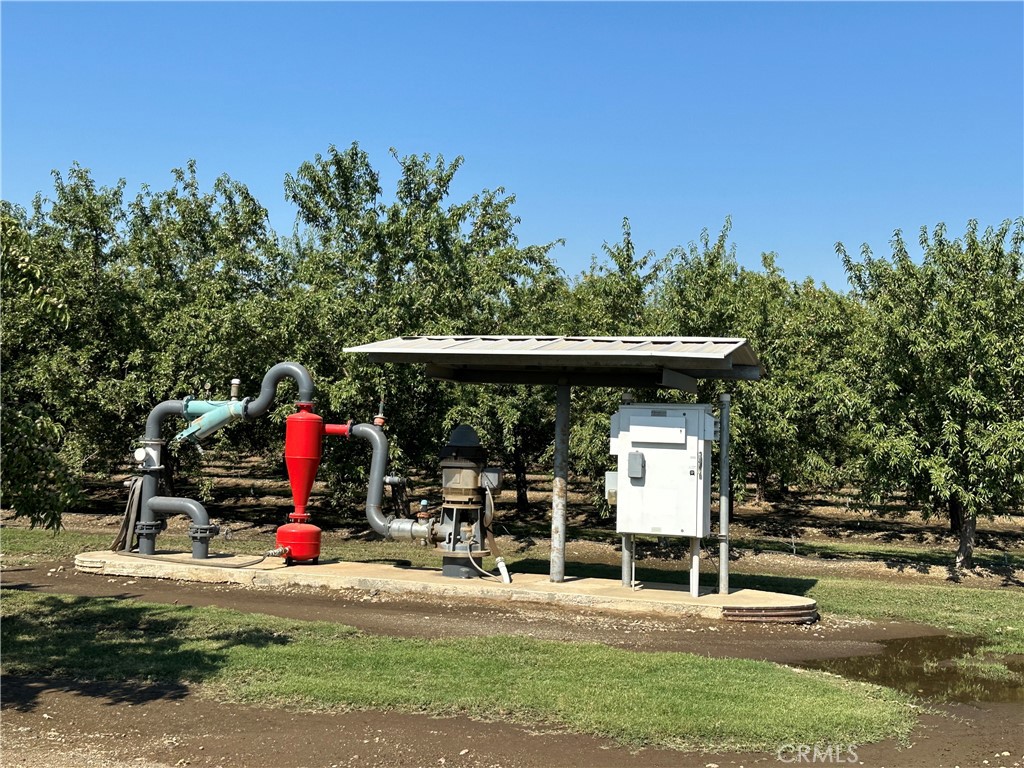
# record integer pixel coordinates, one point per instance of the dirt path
(387, 614)
(64, 723)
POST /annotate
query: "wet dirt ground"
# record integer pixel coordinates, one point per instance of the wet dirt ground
(57, 723)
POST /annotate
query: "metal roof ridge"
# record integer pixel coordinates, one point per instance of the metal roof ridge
(551, 337)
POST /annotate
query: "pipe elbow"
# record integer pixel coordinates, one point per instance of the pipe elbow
(178, 506)
(268, 388)
(378, 441)
(160, 412)
(378, 522)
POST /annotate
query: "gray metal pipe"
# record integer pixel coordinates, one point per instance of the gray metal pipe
(400, 529)
(179, 506)
(375, 436)
(388, 527)
(152, 466)
(200, 531)
(156, 417)
(268, 389)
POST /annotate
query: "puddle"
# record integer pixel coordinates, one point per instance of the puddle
(927, 667)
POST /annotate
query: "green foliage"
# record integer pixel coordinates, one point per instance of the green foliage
(789, 428)
(942, 411)
(366, 269)
(910, 385)
(40, 469)
(109, 308)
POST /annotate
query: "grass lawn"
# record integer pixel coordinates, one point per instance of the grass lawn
(673, 700)
(997, 615)
(667, 699)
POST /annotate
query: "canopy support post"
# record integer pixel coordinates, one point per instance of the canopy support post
(559, 493)
(723, 496)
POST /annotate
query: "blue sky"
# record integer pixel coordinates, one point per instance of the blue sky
(807, 122)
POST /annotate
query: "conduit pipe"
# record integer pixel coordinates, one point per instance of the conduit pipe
(388, 527)
(268, 388)
(200, 531)
(152, 461)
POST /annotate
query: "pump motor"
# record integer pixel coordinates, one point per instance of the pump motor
(467, 487)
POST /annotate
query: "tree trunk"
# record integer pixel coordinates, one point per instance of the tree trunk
(968, 524)
(761, 492)
(955, 518)
(522, 484)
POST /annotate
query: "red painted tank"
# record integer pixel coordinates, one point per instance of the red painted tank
(303, 436)
(302, 540)
(303, 441)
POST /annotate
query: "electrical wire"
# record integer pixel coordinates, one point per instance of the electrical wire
(469, 546)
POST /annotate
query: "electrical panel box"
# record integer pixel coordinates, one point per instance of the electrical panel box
(663, 483)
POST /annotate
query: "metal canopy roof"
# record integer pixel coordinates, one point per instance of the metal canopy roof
(667, 361)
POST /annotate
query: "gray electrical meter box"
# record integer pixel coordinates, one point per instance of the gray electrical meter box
(663, 483)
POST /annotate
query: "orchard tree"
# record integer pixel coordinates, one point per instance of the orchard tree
(38, 480)
(108, 309)
(790, 428)
(943, 410)
(366, 269)
(612, 298)
(70, 330)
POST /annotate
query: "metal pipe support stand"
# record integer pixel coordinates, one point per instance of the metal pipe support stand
(628, 553)
(694, 566)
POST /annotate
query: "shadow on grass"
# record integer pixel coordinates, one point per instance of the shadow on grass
(111, 648)
(22, 692)
(785, 584)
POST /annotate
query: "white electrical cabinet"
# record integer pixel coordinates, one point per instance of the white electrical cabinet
(663, 483)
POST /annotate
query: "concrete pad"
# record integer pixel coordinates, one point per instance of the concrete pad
(603, 594)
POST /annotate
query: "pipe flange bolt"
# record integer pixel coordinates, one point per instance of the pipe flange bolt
(149, 528)
(202, 532)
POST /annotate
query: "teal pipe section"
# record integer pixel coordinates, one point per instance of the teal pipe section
(194, 408)
(207, 416)
(214, 418)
